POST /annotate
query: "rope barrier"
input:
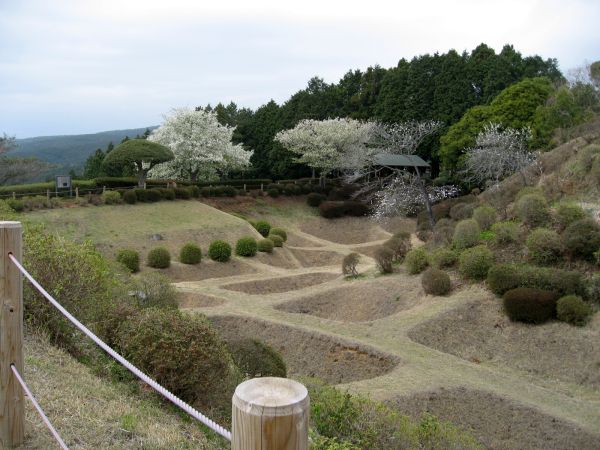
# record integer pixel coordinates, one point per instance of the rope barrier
(133, 369)
(39, 408)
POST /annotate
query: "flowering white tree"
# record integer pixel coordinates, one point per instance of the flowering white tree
(201, 145)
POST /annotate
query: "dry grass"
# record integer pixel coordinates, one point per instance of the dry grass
(281, 284)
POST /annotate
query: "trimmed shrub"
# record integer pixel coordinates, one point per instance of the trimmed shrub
(443, 257)
(505, 233)
(130, 259)
(466, 234)
(349, 264)
(219, 251)
(355, 209)
(273, 192)
(592, 289)
(207, 192)
(246, 246)
(533, 210)
(572, 309)
(416, 261)
(167, 194)
(567, 213)
(190, 254)
(404, 235)
(332, 210)
(314, 199)
(530, 305)
(279, 232)
(582, 238)
(148, 195)
(384, 258)
(544, 246)
(111, 197)
(228, 191)
(485, 216)
(399, 247)
(194, 191)
(462, 211)
(475, 262)
(16, 205)
(182, 193)
(443, 231)
(504, 277)
(159, 258)
(256, 358)
(436, 282)
(263, 227)
(276, 239)
(154, 290)
(265, 245)
(130, 197)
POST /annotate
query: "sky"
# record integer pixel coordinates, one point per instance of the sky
(84, 66)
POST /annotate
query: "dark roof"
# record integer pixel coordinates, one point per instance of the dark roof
(392, 160)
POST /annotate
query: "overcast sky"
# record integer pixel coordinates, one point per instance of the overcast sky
(70, 67)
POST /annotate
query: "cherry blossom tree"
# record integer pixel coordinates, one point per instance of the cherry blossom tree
(201, 145)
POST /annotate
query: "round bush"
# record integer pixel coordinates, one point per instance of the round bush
(475, 262)
(443, 257)
(436, 282)
(530, 305)
(130, 197)
(194, 191)
(314, 199)
(349, 264)
(265, 245)
(279, 232)
(273, 192)
(572, 309)
(384, 258)
(246, 246)
(399, 247)
(257, 359)
(190, 254)
(505, 233)
(485, 216)
(416, 261)
(111, 197)
(544, 246)
(466, 234)
(582, 238)
(154, 290)
(182, 193)
(263, 227)
(16, 205)
(462, 211)
(567, 213)
(533, 210)
(277, 240)
(219, 251)
(159, 258)
(130, 259)
(592, 289)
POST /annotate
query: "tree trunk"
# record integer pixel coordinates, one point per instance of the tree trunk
(322, 180)
(194, 176)
(141, 175)
(314, 175)
(426, 198)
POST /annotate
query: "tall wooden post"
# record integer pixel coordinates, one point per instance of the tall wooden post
(11, 336)
(270, 414)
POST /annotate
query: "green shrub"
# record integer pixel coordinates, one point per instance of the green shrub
(504, 277)
(436, 282)
(572, 309)
(265, 245)
(130, 197)
(207, 191)
(485, 216)
(582, 238)
(130, 259)
(529, 190)
(246, 246)
(533, 210)
(277, 240)
(443, 257)
(592, 289)
(416, 261)
(399, 247)
(462, 211)
(384, 258)
(402, 235)
(349, 264)
(279, 232)
(166, 194)
(16, 205)
(273, 192)
(111, 197)
(190, 254)
(182, 193)
(194, 191)
(530, 305)
(474, 263)
(314, 199)
(544, 246)
(256, 358)
(183, 353)
(567, 213)
(443, 231)
(154, 290)
(466, 234)
(148, 195)
(263, 227)
(219, 251)
(159, 258)
(505, 233)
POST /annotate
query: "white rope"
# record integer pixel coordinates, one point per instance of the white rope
(137, 372)
(39, 409)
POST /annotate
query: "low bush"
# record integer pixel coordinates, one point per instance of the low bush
(314, 199)
(530, 305)
(111, 197)
(190, 254)
(404, 235)
(384, 258)
(130, 197)
(332, 210)
(167, 194)
(279, 232)
(572, 309)
(273, 192)
(443, 257)
(154, 290)
(16, 205)
(263, 227)
(544, 246)
(219, 251)
(355, 209)
(582, 238)
(485, 216)
(265, 245)
(148, 195)
(276, 239)
(436, 282)
(474, 263)
(182, 193)
(194, 191)
(505, 233)
(349, 264)
(246, 246)
(567, 213)
(399, 247)
(462, 211)
(256, 358)
(416, 261)
(443, 232)
(533, 210)
(159, 258)
(130, 259)
(228, 191)
(592, 289)
(207, 191)
(466, 234)
(504, 277)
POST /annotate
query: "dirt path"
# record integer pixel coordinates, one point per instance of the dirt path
(422, 369)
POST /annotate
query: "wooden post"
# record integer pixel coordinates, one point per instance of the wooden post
(270, 414)
(261, 187)
(77, 192)
(244, 187)
(48, 194)
(11, 336)
(103, 189)
(14, 195)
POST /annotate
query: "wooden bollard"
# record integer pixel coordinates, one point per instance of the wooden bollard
(48, 194)
(77, 192)
(270, 414)
(261, 187)
(12, 412)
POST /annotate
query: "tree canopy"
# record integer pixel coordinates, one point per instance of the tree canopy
(141, 154)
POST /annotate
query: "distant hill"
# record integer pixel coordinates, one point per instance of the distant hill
(70, 151)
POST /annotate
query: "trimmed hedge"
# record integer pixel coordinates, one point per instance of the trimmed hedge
(159, 258)
(567, 213)
(505, 232)
(400, 247)
(533, 210)
(572, 309)
(544, 246)
(130, 259)
(416, 261)
(582, 238)
(263, 227)
(277, 240)
(256, 358)
(246, 246)
(314, 199)
(279, 232)
(443, 257)
(384, 258)
(485, 216)
(504, 277)
(190, 254)
(466, 234)
(130, 197)
(265, 245)
(530, 305)
(219, 251)
(111, 197)
(436, 282)
(474, 263)
(332, 210)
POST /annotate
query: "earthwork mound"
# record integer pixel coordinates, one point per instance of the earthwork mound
(196, 300)
(295, 240)
(281, 284)
(310, 353)
(317, 258)
(349, 230)
(205, 270)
